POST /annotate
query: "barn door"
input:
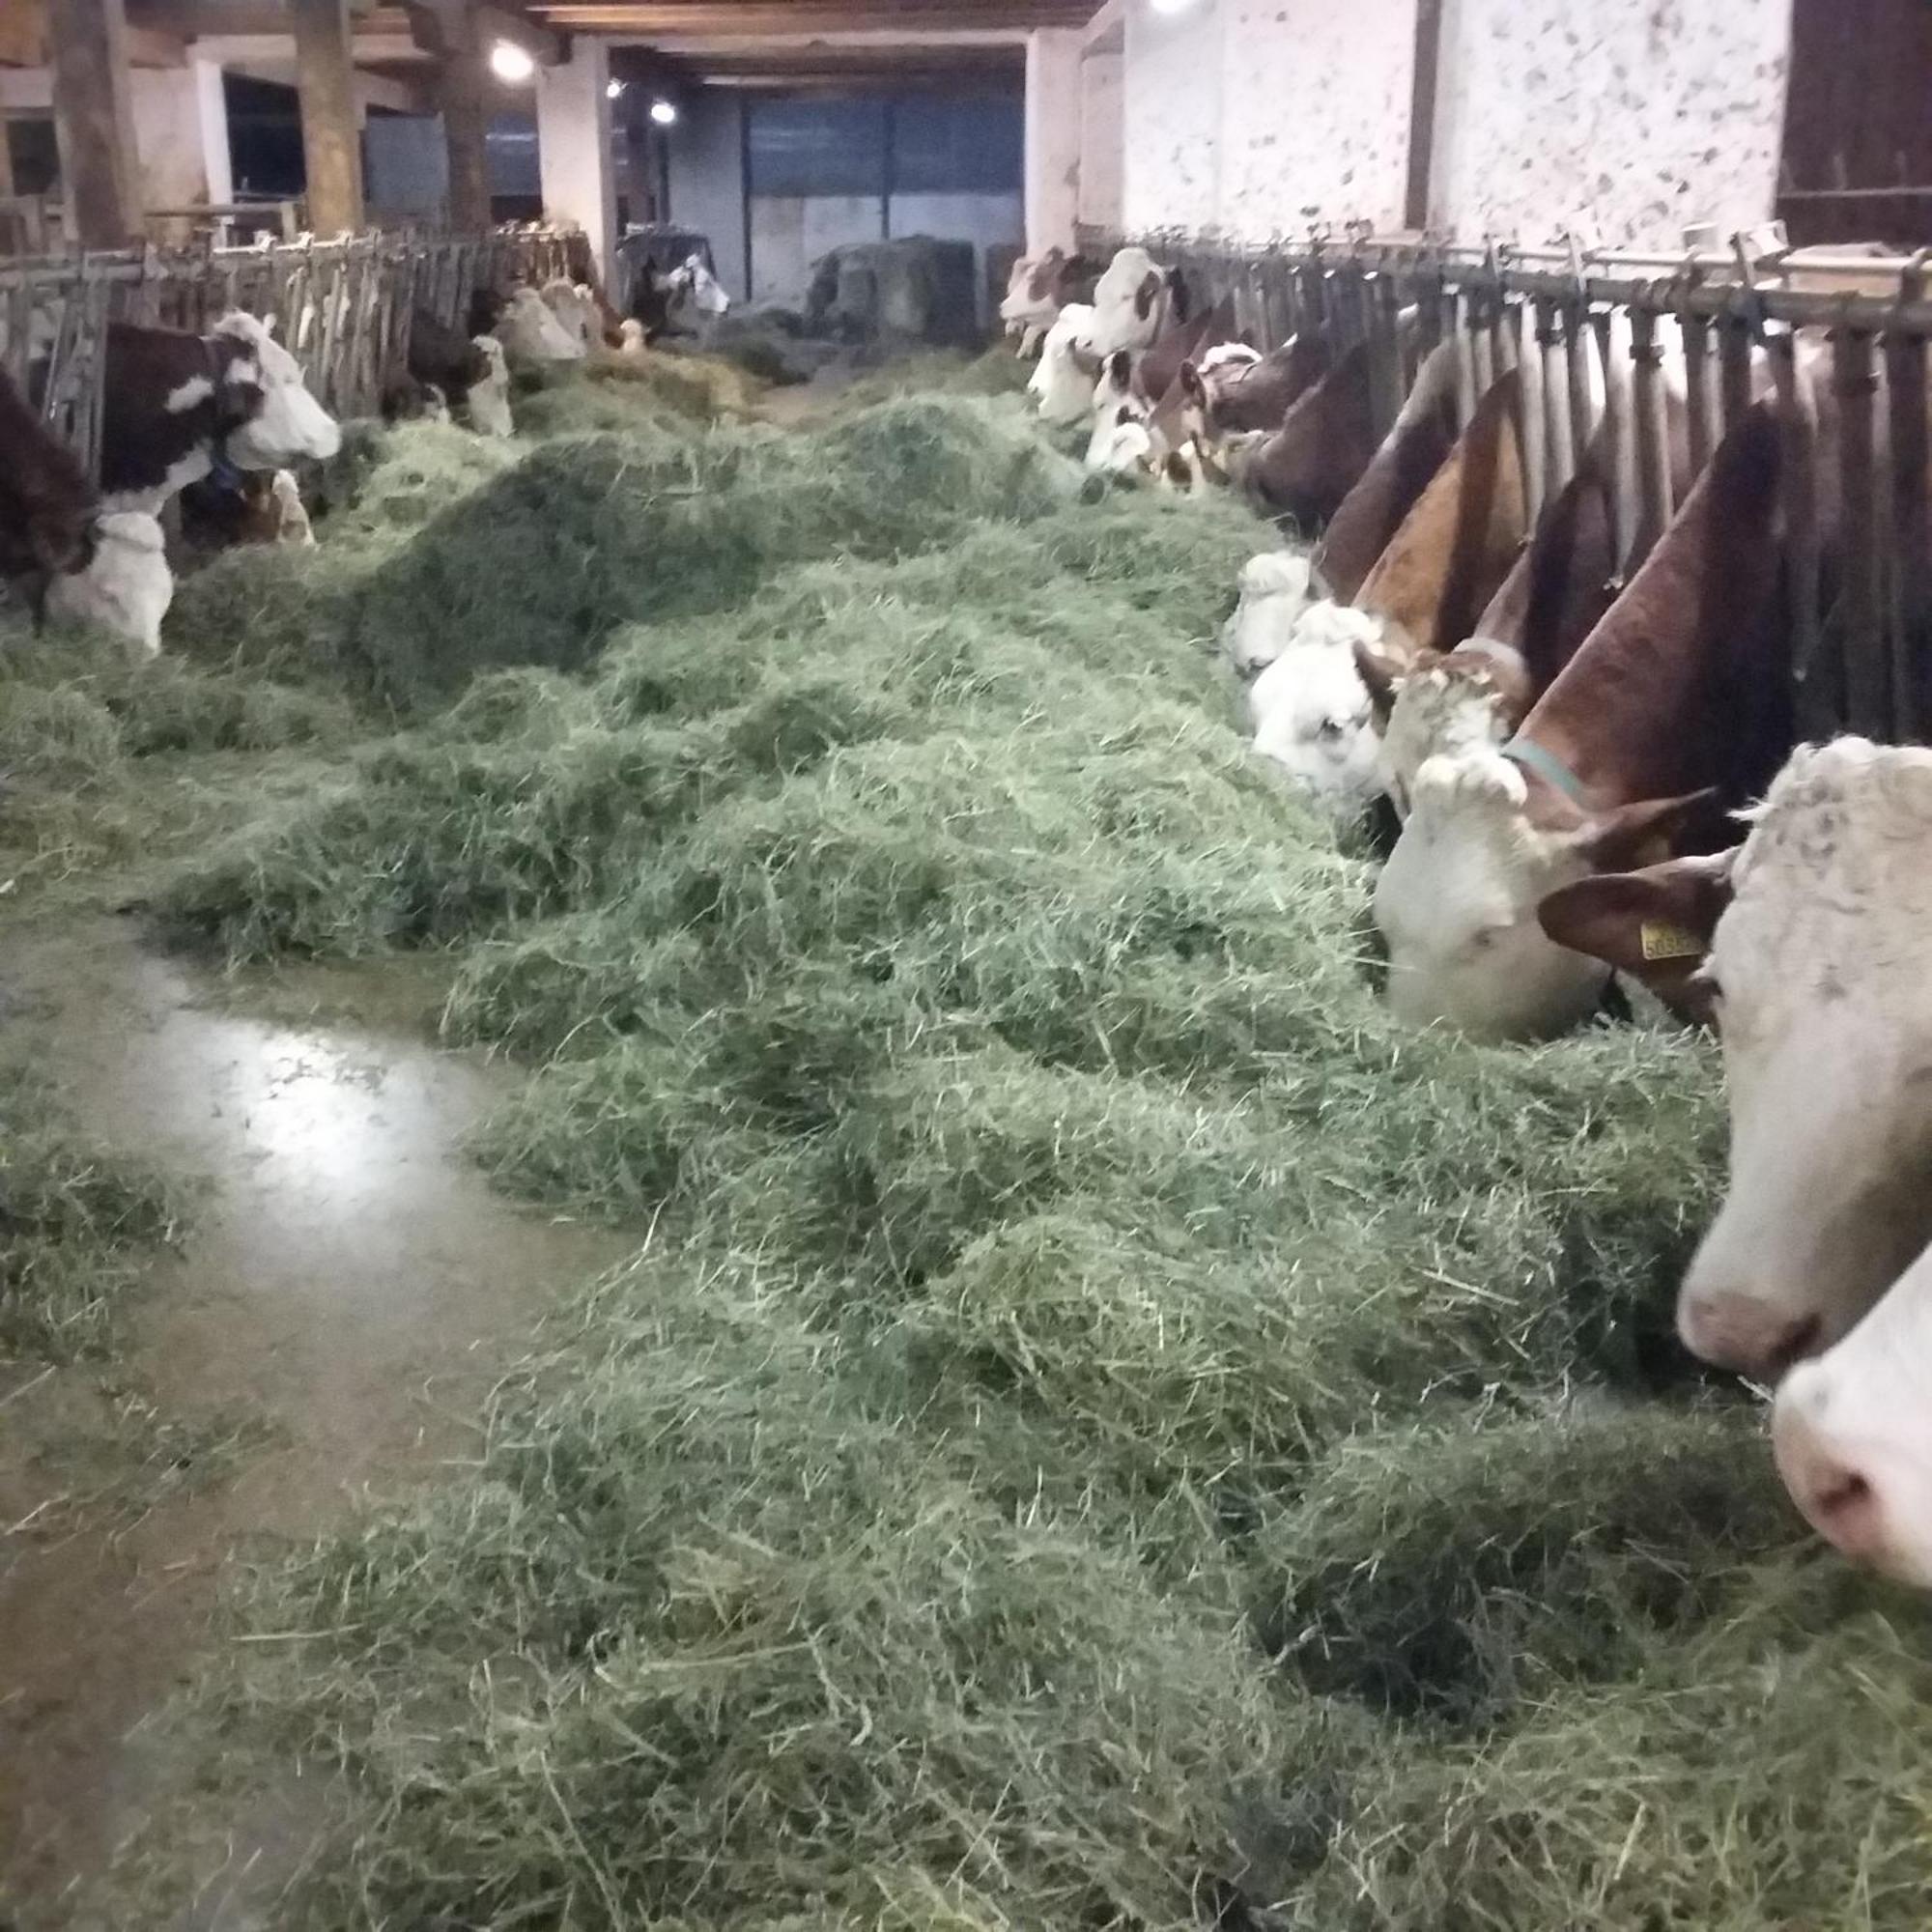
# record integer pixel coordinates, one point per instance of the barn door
(1856, 163)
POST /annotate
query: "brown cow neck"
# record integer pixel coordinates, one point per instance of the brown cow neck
(1638, 713)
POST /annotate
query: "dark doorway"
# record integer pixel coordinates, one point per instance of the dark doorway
(1857, 164)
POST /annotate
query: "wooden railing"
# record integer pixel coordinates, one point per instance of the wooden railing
(343, 309)
(1863, 642)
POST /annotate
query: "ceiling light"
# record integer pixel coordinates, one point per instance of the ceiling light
(615, 89)
(663, 113)
(1170, 5)
(510, 62)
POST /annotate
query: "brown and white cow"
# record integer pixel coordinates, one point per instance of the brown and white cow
(1134, 301)
(1313, 708)
(1676, 706)
(180, 406)
(1559, 589)
(1806, 948)
(1301, 474)
(1238, 397)
(75, 562)
(1038, 288)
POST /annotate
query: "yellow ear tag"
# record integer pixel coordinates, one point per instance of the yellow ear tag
(1661, 939)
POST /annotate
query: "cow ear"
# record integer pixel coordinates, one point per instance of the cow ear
(1192, 386)
(1176, 288)
(1119, 368)
(1654, 925)
(1383, 676)
(1640, 834)
(1145, 294)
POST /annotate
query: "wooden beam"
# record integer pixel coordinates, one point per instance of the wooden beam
(759, 20)
(23, 33)
(449, 28)
(1422, 113)
(95, 122)
(331, 119)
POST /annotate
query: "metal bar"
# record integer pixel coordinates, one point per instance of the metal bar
(1910, 581)
(1867, 672)
(1821, 698)
(1653, 507)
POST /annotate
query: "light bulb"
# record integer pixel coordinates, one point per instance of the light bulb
(510, 62)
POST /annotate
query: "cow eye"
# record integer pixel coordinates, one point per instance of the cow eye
(1331, 731)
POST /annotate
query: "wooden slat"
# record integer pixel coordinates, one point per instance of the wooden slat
(1821, 696)
(1653, 507)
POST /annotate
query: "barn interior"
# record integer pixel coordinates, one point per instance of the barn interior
(718, 1207)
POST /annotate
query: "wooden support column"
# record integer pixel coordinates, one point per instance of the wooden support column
(466, 85)
(95, 121)
(331, 119)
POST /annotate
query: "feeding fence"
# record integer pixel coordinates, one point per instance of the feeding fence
(342, 307)
(1587, 333)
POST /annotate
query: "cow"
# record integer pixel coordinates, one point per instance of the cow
(684, 301)
(1301, 474)
(1062, 384)
(1311, 711)
(1559, 589)
(1229, 396)
(1157, 369)
(442, 358)
(1805, 946)
(575, 306)
(1273, 590)
(180, 406)
(1850, 1437)
(530, 333)
(488, 402)
(1677, 705)
(1442, 566)
(256, 507)
(1134, 301)
(1038, 289)
(73, 562)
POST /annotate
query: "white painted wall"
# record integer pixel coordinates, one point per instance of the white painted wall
(1172, 110)
(579, 182)
(1102, 139)
(790, 232)
(181, 134)
(1315, 113)
(1623, 120)
(1052, 138)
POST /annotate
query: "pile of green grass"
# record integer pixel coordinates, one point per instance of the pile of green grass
(74, 1222)
(1109, 1430)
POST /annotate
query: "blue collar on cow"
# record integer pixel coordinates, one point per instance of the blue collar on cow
(223, 471)
(1547, 765)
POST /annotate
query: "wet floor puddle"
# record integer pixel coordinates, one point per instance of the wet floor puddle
(349, 1290)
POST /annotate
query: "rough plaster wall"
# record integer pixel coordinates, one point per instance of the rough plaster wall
(1172, 115)
(1101, 82)
(168, 137)
(790, 232)
(1625, 119)
(707, 178)
(1315, 112)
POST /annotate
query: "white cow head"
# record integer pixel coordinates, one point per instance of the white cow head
(1851, 1431)
(1062, 384)
(1276, 588)
(631, 336)
(1032, 292)
(575, 308)
(530, 333)
(124, 589)
(1457, 903)
(1451, 708)
(692, 284)
(1311, 709)
(290, 426)
(489, 401)
(1132, 302)
(1818, 934)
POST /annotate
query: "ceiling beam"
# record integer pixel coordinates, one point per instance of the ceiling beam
(760, 19)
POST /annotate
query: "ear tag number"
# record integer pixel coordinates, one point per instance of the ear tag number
(1661, 939)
